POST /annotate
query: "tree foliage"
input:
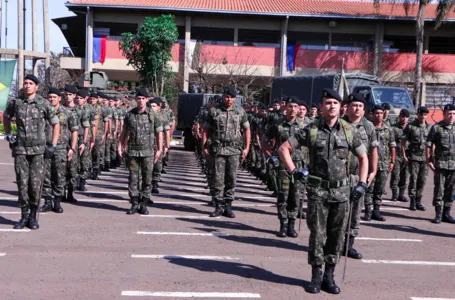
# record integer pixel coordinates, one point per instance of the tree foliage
(149, 51)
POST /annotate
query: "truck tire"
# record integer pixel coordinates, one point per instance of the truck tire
(188, 140)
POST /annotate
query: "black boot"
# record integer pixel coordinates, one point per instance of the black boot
(438, 218)
(32, 221)
(218, 212)
(352, 253)
(70, 196)
(228, 210)
(47, 205)
(368, 213)
(412, 205)
(24, 219)
(163, 171)
(328, 282)
(401, 196)
(394, 195)
(113, 164)
(64, 198)
(82, 187)
(291, 229)
(106, 166)
(134, 206)
(283, 228)
(446, 217)
(377, 214)
(143, 206)
(155, 189)
(95, 173)
(316, 280)
(419, 205)
(57, 208)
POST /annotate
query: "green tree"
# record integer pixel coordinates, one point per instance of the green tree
(444, 7)
(149, 51)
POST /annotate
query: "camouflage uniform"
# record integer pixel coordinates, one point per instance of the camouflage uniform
(399, 176)
(171, 118)
(328, 186)
(158, 167)
(110, 141)
(120, 114)
(88, 120)
(270, 120)
(103, 115)
(73, 165)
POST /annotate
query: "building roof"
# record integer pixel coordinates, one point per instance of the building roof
(304, 8)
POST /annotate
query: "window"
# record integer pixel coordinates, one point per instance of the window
(442, 45)
(309, 40)
(352, 42)
(259, 38)
(403, 44)
(114, 30)
(213, 36)
(396, 97)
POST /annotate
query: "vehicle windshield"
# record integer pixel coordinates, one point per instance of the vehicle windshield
(397, 97)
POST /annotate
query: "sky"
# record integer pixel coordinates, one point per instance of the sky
(56, 9)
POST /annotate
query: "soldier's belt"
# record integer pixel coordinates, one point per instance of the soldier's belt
(229, 144)
(317, 181)
(138, 147)
(446, 158)
(31, 143)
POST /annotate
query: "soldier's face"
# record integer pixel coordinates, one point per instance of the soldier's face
(449, 116)
(422, 117)
(386, 113)
(303, 111)
(404, 119)
(356, 109)
(81, 100)
(54, 99)
(292, 110)
(70, 97)
(154, 106)
(378, 115)
(330, 108)
(30, 87)
(93, 100)
(228, 100)
(343, 109)
(276, 106)
(314, 111)
(141, 102)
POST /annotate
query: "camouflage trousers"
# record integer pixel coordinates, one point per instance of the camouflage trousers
(85, 162)
(376, 188)
(356, 208)
(272, 182)
(418, 172)
(113, 149)
(225, 174)
(327, 224)
(29, 178)
(107, 151)
(98, 153)
(210, 171)
(399, 176)
(288, 200)
(157, 168)
(73, 170)
(140, 176)
(200, 153)
(444, 181)
(55, 174)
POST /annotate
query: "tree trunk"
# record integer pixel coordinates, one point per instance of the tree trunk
(420, 24)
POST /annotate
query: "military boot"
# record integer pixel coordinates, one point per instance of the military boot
(70, 196)
(134, 206)
(412, 204)
(113, 164)
(394, 195)
(419, 205)
(283, 228)
(23, 220)
(316, 280)
(291, 229)
(446, 217)
(143, 206)
(218, 211)
(107, 166)
(47, 204)
(95, 173)
(401, 196)
(82, 187)
(368, 212)
(57, 208)
(32, 221)
(328, 282)
(228, 210)
(155, 189)
(438, 218)
(164, 171)
(377, 214)
(64, 198)
(352, 253)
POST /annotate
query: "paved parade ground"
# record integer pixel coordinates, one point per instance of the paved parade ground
(95, 251)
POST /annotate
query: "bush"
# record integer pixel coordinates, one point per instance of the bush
(13, 129)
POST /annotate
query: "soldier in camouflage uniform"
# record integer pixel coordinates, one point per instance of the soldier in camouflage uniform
(57, 166)
(158, 167)
(105, 160)
(365, 129)
(387, 122)
(313, 113)
(442, 163)
(112, 134)
(399, 177)
(415, 135)
(142, 133)
(32, 113)
(386, 160)
(330, 139)
(224, 124)
(272, 117)
(289, 195)
(171, 118)
(115, 162)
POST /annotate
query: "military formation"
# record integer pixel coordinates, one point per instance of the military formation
(332, 156)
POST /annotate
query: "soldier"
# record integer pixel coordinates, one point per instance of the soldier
(415, 135)
(142, 131)
(386, 160)
(112, 134)
(313, 113)
(289, 192)
(344, 108)
(57, 165)
(115, 162)
(171, 118)
(32, 113)
(225, 123)
(330, 139)
(398, 180)
(302, 116)
(366, 131)
(387, 122)
(441, 138)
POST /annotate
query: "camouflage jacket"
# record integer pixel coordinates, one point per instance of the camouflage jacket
(416, 136)
(102, 113)
(282, 132)
(68, 124)
(398, 131)
(141, 129)
(386, 140)
(442, 136)
(32, 117)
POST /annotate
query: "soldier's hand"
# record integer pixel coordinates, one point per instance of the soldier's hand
(119, 152)
(300, 175)
(406, 160)
(81, 148)
(92, 144)
(370, 178)
(49, 152)
(206, 152)
(431, 166)
(244, 154)
(359, 191)
(70, 154)
(157, 156)
(391, 167)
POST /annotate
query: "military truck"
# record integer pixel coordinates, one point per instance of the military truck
(189, 106)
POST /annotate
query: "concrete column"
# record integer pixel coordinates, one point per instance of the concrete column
(187, 59)
(20, 43)
(34, 27)
(236, 36)
(89, 40)
(423, 94)
(426, 44)
(330, 41)
(378, 41)
(47, 49)
(284, 44)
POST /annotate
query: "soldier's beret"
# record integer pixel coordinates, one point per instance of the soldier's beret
(83, 93)
(449, 107)
(230, 91)
(404, 113)
(314, 106)
(156, 100)
(386, 106)
(93, 95)
(303, 103)
(142, 93)
(55, 91)
(70, 89)
(292, 100)
(378, 107)
(330, 93)
(32, 78)
(356, 97)
(423, 110)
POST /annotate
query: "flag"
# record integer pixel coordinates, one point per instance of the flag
(99, 49)
(297, 48)
(291, 57)
(7, 68)
(343, 88)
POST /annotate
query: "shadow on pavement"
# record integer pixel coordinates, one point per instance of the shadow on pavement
(97, 205)
(409, 229)
(9, 203)
(5, 221)
(101, 195)
(12, 193)
(227, 225)
(402, 216)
